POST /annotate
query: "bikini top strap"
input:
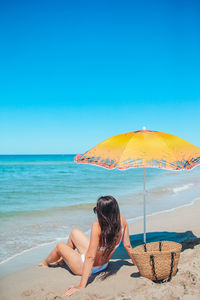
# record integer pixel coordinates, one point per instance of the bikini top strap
(122, 227)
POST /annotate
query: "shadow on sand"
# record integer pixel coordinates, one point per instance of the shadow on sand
(187, 239)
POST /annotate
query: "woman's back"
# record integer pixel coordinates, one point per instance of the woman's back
(100, 259)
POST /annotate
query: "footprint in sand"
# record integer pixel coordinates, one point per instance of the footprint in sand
(52, 296)
(27, 293)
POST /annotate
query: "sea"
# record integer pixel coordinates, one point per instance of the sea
(43, 197)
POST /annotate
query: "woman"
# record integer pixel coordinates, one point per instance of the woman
(93, 254)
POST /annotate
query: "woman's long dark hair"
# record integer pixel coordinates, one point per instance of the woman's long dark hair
(108, 214)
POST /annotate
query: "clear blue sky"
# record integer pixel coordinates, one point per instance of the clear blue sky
(74, 73)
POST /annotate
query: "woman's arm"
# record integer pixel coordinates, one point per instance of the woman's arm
(126, 239)
(89, 259)
(91, 254)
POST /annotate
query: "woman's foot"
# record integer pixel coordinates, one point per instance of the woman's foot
(43, 264)
(59, 262)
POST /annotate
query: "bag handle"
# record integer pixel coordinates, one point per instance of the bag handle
(173, 254)
(160, 246)
(153, 267)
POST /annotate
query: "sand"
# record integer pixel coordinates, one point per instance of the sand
(122, 280)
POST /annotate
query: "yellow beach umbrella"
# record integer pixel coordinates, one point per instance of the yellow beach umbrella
(143, 148)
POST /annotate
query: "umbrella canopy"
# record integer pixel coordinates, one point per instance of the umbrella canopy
(143, 148)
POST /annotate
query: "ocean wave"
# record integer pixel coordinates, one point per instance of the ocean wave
(37, 247)
(46, 211)
(182, 188)
(25, 251)
(169, 190)
(74, 205)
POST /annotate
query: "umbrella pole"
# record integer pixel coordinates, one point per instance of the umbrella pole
(144, 194)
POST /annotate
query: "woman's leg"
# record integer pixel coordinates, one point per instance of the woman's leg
(77, 240)
(71, 257)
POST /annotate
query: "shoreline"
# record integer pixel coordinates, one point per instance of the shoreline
(47, 245)
(45, 210)
(136, 219)
(121, 280)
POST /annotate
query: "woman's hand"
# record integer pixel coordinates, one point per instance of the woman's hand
(73, 289)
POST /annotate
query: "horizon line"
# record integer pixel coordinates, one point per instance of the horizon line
(40, 154)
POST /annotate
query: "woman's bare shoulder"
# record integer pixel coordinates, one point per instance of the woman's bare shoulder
(123, 220)
(96, 226)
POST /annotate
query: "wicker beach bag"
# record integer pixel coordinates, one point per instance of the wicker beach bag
(157, 261)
